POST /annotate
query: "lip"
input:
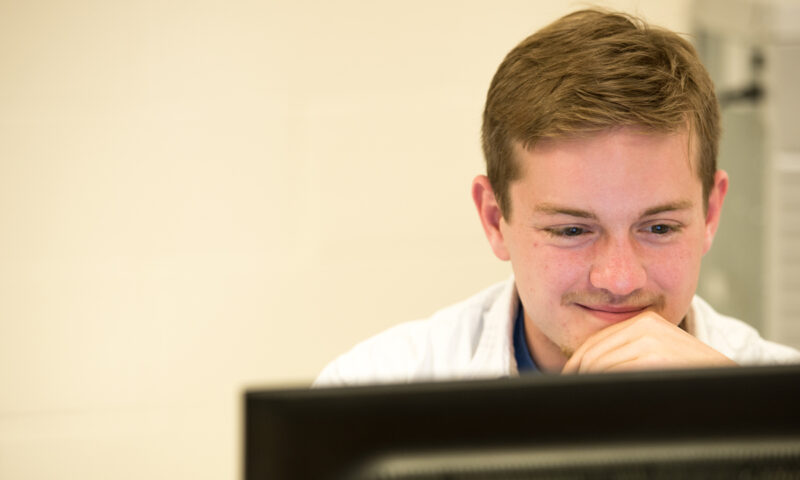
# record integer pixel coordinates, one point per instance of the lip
(613, 313)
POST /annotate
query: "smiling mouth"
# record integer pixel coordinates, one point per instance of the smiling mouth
(613, 313)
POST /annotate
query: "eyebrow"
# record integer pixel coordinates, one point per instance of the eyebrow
(552, 209)
(668, 207)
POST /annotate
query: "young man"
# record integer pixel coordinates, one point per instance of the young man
(600, 135)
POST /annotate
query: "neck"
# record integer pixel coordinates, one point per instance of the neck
(548, 356)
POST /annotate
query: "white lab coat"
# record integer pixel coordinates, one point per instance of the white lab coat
(473, 339)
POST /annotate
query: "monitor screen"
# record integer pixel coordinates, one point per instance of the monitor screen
(713, 423)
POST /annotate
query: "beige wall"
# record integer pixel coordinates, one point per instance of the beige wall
(198, 196)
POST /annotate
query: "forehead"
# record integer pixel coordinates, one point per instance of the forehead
(620, 166)
(685, 137)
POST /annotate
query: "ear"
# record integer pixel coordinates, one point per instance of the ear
(490, 214)
(715, 199)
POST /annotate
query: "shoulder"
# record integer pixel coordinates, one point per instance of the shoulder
(736, 339)
(438, 347)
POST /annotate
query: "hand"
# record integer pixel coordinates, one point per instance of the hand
(646, 341)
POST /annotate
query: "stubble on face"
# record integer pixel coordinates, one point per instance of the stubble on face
(637, 299)
(567, 351)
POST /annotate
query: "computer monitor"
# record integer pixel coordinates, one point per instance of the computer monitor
(715, 423)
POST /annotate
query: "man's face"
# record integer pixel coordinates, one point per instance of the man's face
(602, 228)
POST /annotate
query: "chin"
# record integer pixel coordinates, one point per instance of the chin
(567, 351)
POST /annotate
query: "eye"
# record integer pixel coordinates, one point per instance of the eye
(661, 229)
(572, 231)
(569, 231)
(569, 235)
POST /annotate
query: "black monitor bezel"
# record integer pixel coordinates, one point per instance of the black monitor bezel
(322, 433)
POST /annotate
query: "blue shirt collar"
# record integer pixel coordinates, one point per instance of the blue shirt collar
(525, 363)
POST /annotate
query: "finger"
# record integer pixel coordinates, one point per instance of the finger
(650, 353)
(598, 338)
(636, 353)
(587, 360)
(650, 345)
(614, 337)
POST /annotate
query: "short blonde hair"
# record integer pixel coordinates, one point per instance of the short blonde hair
(590, 71)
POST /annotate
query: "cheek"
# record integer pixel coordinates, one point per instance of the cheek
(677, 269)
(557, 270)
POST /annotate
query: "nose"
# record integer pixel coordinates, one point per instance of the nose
(617, 267)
